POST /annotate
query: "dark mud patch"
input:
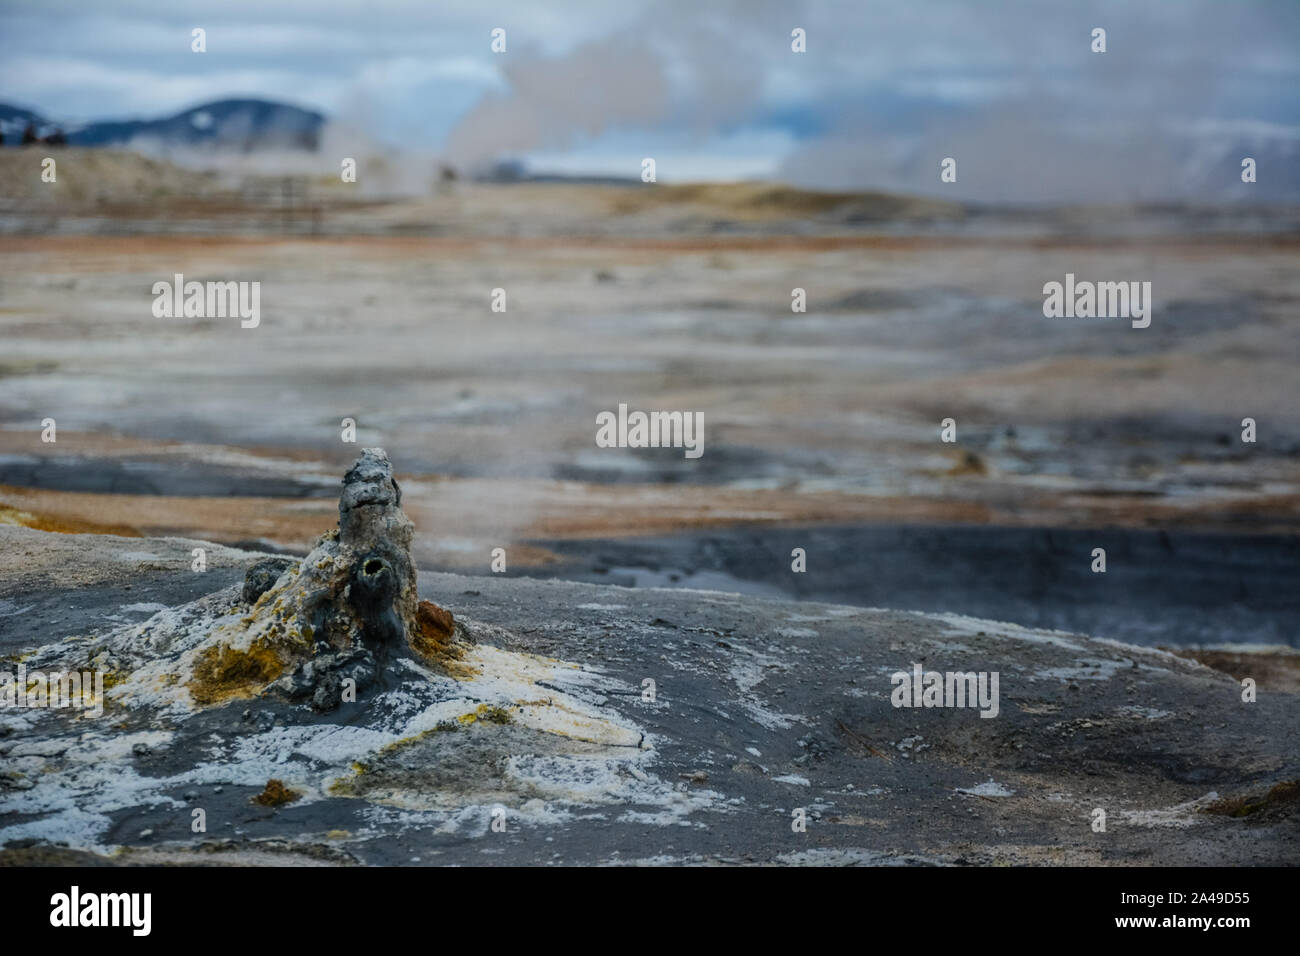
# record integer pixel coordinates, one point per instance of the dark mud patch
(171, 479)
(1159, 587)
(33, 613)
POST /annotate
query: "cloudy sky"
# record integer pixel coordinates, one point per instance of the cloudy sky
(711, 89)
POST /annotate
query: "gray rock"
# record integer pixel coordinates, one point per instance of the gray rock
(261, 577)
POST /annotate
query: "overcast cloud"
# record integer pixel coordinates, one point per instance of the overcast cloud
(712, 89)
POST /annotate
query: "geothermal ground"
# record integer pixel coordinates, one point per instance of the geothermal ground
(1071, 434)
(821, 431)
(759, 709)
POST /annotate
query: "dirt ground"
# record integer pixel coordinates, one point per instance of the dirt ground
(762, 712)
(378, 309)
(822, 430)
(830, 415)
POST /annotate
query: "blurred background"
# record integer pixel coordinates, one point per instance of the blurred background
(521, 170)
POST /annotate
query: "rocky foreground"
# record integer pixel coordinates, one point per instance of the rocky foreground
(553, 722)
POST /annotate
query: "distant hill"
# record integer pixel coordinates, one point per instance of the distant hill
(14, 119)
(238, 125)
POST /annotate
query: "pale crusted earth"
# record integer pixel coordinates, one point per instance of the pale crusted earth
(673, 298)
(761, 707)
